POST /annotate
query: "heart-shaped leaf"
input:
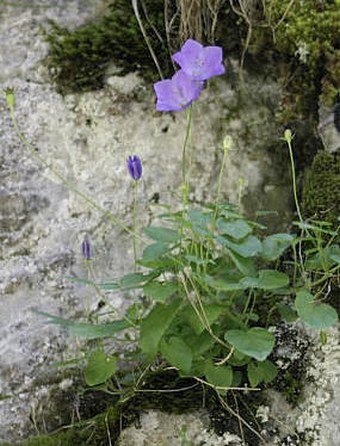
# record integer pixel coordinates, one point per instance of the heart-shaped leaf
(237, 229)
(256, 342)
(316, 315)
(274, 245)
(99, 368)
(159, 291)
(154, 326)
(177, 353)
(220, 376)
(261, 372)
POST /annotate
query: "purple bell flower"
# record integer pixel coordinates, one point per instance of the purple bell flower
(177, 93)
(134, 165)
(199, 62)
(86, 249)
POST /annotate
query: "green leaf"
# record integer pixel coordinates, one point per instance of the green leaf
(154, 326)
(198, 260)
(325, 258)
(274, 245)
(268, 369)
(134, 280)
(261, 372)
(268, 280)
(99, 368)
(246, 266)
(334, 253)
(160, 234)
(159, 291)
(80, 280)
(272, 280)
(219, 376)
(201, 343)
(199, 218)
(315, 315)
(256, 342)
(222, 284)
(254, 375)
(154, 251)
(237, 229)
(200, 221)
(92, 331)
(249, 247)
(177, 353)
(85, 330)
(212, 312)
(315, 228)
(286, 312)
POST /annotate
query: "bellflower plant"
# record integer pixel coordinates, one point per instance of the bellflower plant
(198, 62)
(209, 288)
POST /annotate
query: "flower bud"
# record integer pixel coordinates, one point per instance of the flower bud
(86, 249)
(9, 98)
(227, 143)
(134, 165)
(288, 136)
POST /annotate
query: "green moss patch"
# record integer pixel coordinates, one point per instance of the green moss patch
(321, 190)
(78, 59)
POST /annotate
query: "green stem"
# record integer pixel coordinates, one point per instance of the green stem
(327, 275)
(134, 224)
(67, 183)
(220, 177)
(185, 178)
(294, 180)
(185, 185)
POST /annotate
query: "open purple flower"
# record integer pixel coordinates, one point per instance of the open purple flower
(199, 62)
(176, 93)
(134, 165)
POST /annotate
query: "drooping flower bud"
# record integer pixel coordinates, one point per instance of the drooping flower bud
(134, 165)
(86, 249)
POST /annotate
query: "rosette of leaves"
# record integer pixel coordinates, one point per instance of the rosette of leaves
(207, 276)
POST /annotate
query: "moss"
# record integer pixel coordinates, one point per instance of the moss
(78, 59)
(304, 46)
(97, 432)
(177, 395)
(321, 189)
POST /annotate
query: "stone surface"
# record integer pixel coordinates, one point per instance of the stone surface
(158, 429)
(87, 138)
(327, 130)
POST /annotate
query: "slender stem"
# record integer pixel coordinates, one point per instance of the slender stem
(185, 185)
(67, 183)
(294, 179)
(134, 224)
(220, 177)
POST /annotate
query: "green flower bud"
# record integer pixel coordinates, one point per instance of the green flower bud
(227, 143)
(288, 136)
(9, 98)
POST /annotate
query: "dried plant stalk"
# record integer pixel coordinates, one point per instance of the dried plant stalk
(198, 19)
